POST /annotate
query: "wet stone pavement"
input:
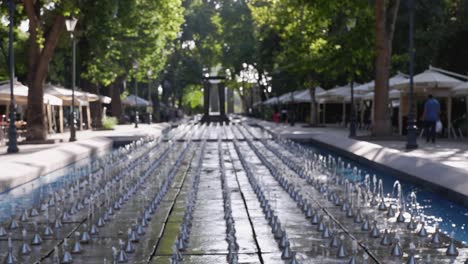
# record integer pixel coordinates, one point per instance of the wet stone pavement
(218, 194)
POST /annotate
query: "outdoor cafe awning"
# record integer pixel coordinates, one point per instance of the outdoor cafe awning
(271, 101)
(133, 100)
(105, 99)
(369, 87)
(337, 95)
(461, 90)
(392, 94)
(430, 81)
(303, 96)
(81, 97)
(21, 94)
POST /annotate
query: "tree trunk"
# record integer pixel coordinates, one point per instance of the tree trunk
(385, 13)
(313, 107)
(95, 107)
(116, 103)
(38, 65)
(156, 107)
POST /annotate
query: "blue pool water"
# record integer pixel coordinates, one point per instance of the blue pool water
(450, 216)
(14, 201)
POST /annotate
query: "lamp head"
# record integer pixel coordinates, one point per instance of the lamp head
(70, 23)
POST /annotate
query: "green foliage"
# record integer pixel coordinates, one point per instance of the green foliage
(120, 33)
(193, 96)
(312, 42)
(19, 45)
(108, 122)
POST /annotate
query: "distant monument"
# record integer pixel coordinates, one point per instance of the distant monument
(214, 100)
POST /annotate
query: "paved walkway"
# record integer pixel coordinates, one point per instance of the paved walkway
(443, 165)
(35, 160)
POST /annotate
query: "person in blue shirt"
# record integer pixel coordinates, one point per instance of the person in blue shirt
(430, 117)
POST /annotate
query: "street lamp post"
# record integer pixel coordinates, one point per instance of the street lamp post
(352, 124)
(70, 24)
(149, 73)
(135, 67)
(411, 139)
(12, 142)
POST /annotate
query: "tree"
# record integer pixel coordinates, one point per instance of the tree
(46, 21)
(311, 45)
(385, 19)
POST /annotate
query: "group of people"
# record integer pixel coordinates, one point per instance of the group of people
(283, 117)
(431, 118)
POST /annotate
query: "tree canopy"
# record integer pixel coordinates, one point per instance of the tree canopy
(288, 44)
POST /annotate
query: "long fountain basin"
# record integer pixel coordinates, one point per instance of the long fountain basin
(32, 166)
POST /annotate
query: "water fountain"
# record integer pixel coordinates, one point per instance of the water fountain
(347, 214)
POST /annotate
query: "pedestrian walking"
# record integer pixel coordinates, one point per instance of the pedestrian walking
(430, 117)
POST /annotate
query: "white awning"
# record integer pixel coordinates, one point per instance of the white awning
(81, 98)
(461, 90)
(369, 87)
(105, 99)
(271, 101)
(303, 96)
(21, 94)
(392, 94)
(337, 94)
(429, 81)
(133, 100)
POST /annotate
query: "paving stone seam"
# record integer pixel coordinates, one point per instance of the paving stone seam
(181, 241)
(150, 170)
(86, 218)
(260, 196)
(244, 201)
(274, 171)
(272, 168)
(166, 220)
(299, 173)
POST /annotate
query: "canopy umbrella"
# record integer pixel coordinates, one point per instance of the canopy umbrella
(66, 95)
(303, 96)
(105, 99)
(364, 88)
(285, 98)
(271, 101)
(369, 87)
(90, 97)
(336, 95)
(21, 94)
(461, 90)
(429, 81)
(392, 94)
(341, 94)
(133, 100)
